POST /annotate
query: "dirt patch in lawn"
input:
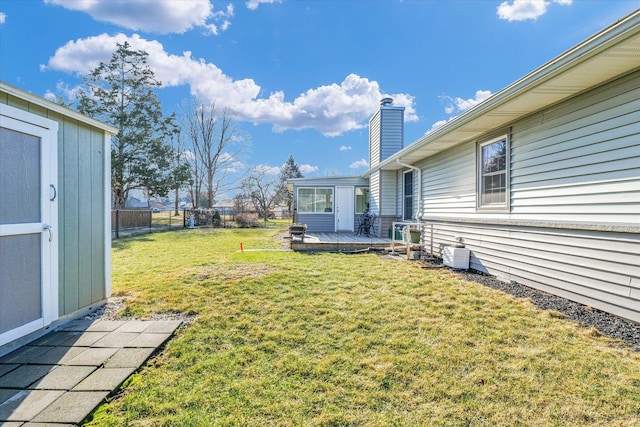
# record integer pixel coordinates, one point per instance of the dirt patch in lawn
(235, 271)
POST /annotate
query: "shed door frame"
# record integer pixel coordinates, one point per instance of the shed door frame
(47, 131)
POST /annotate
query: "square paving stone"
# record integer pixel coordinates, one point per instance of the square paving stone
(107, 379)
(26, 404)
(7, 393)
(24, 354)
(54, 339)
(71, 407)
(58, 355)
(134, 326)
(24, 376)
(47, 425)
(115, 339)
(92, 357)
(162, 327)
(148, 340)
(129, 358)
(106, 325)
(5, 369)
(86, 339)
(78, 325)
(63, 378)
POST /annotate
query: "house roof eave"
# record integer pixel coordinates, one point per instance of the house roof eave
(609, 54)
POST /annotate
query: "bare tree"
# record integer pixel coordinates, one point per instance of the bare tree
(214, 138)
(262, 191)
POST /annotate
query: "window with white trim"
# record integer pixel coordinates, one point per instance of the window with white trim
(362, 200)
(315, 200)
(407, 196)
(493, 173)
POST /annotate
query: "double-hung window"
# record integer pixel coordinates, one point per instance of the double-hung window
(407, 195)
(315, 200)
(493, 173)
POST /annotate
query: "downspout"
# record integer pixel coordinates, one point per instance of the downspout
(419, 173)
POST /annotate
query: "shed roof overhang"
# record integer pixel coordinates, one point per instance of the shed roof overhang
(611, 53)
(52, 106)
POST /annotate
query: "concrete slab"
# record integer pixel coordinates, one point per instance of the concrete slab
(14, 424)
(78, 325)
(134, 326)
(106, 325)
(63, 378)
(47, 425)
(85, 339)
(162, 326)
(7, 368)
(115, 339)
(129, 358)
(92, 357)
(27, 404)
(54, 339)
(105, 379)
(7, 393)
(148, 340)
(72, 407)
(24, 376)
(58, 355)
(23, 355)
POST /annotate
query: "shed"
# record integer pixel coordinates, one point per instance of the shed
(55, 229)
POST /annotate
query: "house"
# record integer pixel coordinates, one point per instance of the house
(541, 181)
(55, 228)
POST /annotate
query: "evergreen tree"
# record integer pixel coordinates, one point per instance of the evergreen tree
(121, 93)
(289, 170)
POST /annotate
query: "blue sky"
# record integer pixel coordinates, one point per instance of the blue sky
(304, 76)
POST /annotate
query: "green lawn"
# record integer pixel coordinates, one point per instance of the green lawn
(289, 339)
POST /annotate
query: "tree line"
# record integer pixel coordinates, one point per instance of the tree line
(168, 154)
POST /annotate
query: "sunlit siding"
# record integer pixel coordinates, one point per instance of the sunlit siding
(391, 131)
(374, 193)
(572, 227)
(374, 139)
(81, 208)
(581, 160)
(449, 183)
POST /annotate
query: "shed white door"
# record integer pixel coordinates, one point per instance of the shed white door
(344, 208)
(28, 223)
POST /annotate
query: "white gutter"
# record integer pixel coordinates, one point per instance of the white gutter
(417, 169)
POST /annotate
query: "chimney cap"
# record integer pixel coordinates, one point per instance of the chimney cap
(386, 101)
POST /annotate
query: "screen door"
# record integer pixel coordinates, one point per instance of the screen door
(28, 290)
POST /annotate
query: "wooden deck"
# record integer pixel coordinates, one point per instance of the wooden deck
(337, 242)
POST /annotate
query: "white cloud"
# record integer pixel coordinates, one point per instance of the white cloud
(459, 105)
(268, 170)
(3, 17)
(345, 148)
(331, 109)
(308, 169)
(253, 4)
(162, 17)
(359, 164)
(521, 10)
(62, 89)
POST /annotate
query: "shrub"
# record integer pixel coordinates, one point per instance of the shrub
(247, 220)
